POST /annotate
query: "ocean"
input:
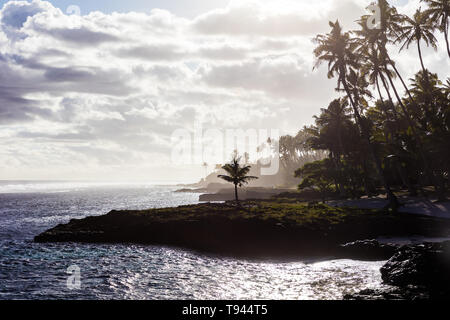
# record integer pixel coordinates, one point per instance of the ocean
(30, 270)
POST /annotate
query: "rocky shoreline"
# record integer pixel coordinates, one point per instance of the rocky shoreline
(285, 230)
(415, 272)
(257, 228)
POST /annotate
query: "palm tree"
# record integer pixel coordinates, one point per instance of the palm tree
(426, 87)
(420, 27)
(372, 46)
(205, 165)
(338, 49)
(439, 11)
(433, 107)
(331, 124)
(374, 69)
(447, 88)
(373, 42)
(237, 174)
(333, 119)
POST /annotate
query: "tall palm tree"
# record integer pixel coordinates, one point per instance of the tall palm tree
(333, 119)
(420, 27)
(337, 48)
(427, 89)
(431, 98)
(390, 25)
(374, 70)
(439, 11)
(332, 122)
(373, 42)
(237, 174)
(372, 46)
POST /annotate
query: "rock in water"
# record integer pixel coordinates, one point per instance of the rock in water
(368, 250)
(426, 265)
(394, 293)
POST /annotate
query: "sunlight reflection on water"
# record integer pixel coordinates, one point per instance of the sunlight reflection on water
(38, 271)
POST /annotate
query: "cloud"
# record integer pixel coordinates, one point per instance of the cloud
(80, 36)
(106, 91)
(153, 52)
(16, 13)
(277, 18)
(282, 77)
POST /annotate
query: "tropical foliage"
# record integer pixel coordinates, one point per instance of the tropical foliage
(380, 137)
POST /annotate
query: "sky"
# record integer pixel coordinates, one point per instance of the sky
(98, 96)
(185, 8)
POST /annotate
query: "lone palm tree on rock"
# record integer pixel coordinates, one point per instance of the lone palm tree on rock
(237, 174)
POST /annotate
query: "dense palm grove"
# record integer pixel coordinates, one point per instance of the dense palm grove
(386, 133)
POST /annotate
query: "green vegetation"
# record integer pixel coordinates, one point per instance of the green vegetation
(374, 137)
(277, 228)
(282, 211)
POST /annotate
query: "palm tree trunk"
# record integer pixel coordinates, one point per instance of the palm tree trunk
(401, 79)
(420, 56)
(366, 178)
(400, 102)
(393, 202)
(386, 88)
(236, 193)
(340, 176)
(379, 91)
(446, 40)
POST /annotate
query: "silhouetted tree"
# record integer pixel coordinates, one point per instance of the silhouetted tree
(439, 12)
(237, 174)
(338, 49)
(420, 27)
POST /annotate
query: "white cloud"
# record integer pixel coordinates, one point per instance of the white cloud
(104, 92)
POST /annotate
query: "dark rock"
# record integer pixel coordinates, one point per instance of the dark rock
(416, 272)
(368, 250)
(253, 229)
(187, 190)
(425, 265)
(394, 293)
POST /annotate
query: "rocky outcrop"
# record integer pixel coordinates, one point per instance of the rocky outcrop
(255, 228)
(426, 265)
(415, 272)
(367, 250)
(244, 194)
(394, 293)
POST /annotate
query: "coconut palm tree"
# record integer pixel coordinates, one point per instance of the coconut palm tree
(237, 174)
(338, 49)
(372, 47)
(375, 69)
(332, 123)
(447, 88)
(433, 108)
(420, 27)
(333, 119)
(376, 40)
(439, 11)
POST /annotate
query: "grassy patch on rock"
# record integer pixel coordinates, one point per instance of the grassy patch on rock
(257, 228)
